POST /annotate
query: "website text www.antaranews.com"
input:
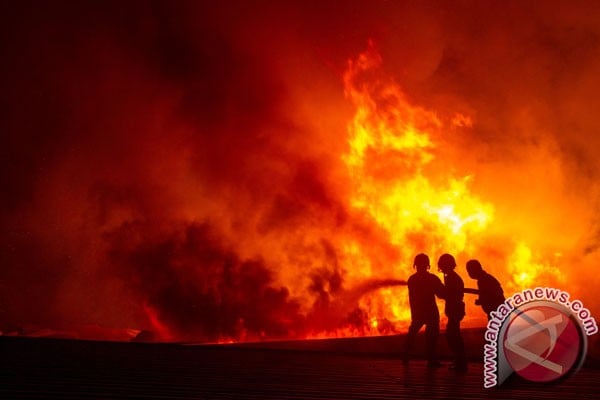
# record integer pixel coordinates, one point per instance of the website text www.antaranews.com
(498, 317)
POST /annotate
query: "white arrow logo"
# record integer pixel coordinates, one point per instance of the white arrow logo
(548, 325)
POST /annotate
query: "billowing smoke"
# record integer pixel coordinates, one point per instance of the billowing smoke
(200, 290)
(179, 167)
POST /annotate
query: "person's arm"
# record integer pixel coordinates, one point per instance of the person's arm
(498, 288)
(440, 289)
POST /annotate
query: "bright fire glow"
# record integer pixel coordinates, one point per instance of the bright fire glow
(391, 144)
(394, 188)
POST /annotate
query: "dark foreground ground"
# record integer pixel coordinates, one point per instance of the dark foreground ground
(36, 368)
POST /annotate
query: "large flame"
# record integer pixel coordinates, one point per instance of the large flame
(391, 143)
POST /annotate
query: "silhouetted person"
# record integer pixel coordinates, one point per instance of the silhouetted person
(489, 289)
(455, 311)
(423, 286)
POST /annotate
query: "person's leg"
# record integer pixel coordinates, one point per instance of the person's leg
(414, 328)
(456, 344)
(432, 332)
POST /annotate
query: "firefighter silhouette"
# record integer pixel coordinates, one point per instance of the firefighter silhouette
(455, 311)
(423, 286)
(489, 289)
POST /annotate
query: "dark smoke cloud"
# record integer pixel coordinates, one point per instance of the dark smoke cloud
(118, 116)
(138, 138)
(200, 290)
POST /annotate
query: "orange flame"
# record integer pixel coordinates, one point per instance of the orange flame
(391, 143)
(398, 184)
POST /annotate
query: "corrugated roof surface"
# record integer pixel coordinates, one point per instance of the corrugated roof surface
(70, 369)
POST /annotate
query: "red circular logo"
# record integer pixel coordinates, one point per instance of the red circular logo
(542, 342)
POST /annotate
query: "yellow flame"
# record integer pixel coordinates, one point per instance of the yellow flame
(529, 272)
(390, 143)
(374, 323)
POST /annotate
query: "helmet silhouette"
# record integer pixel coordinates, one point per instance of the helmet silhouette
(446, 262)
(421, 261)
(474, 267)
